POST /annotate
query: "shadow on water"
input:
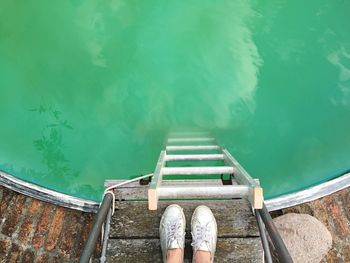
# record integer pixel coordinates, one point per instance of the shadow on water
(50, 148)
(50, 144)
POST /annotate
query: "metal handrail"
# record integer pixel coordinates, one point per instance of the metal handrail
(280, 247)
(262, 216)
(104, 214)
(95, 232)
(264, 241)
(105, 236)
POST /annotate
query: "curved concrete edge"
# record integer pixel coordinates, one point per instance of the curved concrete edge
(47, 195)
(57, 198)
(309, 194)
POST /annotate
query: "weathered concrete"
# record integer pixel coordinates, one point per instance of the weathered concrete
(306, 238)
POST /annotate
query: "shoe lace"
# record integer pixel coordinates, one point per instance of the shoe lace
(202, 234)
(174, 232)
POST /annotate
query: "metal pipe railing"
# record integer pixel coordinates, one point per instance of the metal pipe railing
(264, 241)
(106, 231)
(95, 232)
(281, 249)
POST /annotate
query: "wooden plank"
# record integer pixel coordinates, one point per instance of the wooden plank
(133, 219)
(242, 250)
(132, 193)
(109, 183)
(155, 183)
(256, 197)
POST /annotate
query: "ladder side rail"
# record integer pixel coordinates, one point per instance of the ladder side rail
(242, 177)
(156, 182)
(256, 199)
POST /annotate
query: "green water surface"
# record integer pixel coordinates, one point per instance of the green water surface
(89, 89)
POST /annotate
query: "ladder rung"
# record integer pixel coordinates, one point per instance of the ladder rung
(195, 182)
(194, 157)
(229, 191)
(188, 134)
(192, 147)
(199, 139)
(198, 170)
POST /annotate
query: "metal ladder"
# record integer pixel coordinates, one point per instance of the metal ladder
(189, 144)
(140, 194)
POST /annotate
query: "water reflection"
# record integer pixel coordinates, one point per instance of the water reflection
(270, 79)
(341, 60)
(298, 136)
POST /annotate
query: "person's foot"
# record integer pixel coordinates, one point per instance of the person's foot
(204, 231)
(172, 230)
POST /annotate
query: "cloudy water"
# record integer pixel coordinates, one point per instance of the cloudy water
(89, 89)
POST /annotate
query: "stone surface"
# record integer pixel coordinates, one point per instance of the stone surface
(335, 217)
(35, 231)
(241, 250)
(306, 238)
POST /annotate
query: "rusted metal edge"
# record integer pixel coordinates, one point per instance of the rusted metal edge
(47, 195)
(309, 194)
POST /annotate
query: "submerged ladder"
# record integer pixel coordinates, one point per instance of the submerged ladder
(183, 176)
(243, 185)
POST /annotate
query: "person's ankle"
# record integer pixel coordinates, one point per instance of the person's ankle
(202, 256)
(174, 255)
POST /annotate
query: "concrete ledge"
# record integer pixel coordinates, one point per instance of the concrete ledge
(284, 201)
(309, 194)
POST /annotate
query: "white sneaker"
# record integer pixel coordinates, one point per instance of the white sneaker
(204, 231)
(172, 229)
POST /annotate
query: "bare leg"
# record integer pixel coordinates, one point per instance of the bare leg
(172, 234)
(174, 255)
(202, 257)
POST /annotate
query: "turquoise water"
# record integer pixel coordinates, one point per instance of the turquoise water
(89, 89)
